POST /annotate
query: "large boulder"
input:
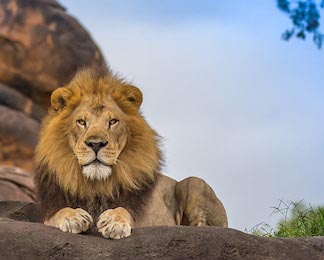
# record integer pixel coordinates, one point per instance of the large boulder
(42, 46)
(23, 238)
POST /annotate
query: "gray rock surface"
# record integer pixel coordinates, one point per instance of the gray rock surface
(16, 184)
(23, 239)
(18, 137)
(15, 100)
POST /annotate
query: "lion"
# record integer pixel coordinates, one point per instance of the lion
(99, 165)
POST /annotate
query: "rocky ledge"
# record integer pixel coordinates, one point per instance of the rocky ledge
(23, 237)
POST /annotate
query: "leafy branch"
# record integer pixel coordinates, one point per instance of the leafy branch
(305, 17)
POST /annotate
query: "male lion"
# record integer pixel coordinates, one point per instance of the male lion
(98, 159)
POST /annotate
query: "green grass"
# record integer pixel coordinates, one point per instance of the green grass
(298, 220)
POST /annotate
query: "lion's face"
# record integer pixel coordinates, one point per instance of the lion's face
(95, 140)
(97, 137)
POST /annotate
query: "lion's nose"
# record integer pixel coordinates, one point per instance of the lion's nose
(96, 146)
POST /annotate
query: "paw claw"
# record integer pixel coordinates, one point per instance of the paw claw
(113, 225)
(74, 220)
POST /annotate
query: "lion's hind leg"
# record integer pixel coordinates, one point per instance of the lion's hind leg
(198, 204)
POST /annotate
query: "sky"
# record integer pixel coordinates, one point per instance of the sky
(234, 104)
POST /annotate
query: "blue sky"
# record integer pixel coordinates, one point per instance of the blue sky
(234, 103)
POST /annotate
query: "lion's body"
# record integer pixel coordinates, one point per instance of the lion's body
(96, 152)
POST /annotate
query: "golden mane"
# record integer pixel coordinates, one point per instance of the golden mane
(136, 166)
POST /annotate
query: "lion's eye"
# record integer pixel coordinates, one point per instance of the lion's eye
(81, 122)
(113, 122)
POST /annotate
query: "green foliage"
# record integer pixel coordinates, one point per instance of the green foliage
(305, 17)
(298, 220)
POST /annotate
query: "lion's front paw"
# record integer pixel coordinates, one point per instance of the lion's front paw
(71, 220)
(115, 223)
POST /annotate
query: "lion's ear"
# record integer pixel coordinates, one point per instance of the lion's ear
(59, 98)
(133, 96)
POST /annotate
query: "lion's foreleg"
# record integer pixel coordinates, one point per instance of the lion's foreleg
(70, 220)
(115, 223)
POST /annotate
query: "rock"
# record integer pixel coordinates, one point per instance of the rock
(18, 137)
(41, 47)
(19, 124)
(30, 240)
(19, 210)
(13, 99)
(16, 184)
